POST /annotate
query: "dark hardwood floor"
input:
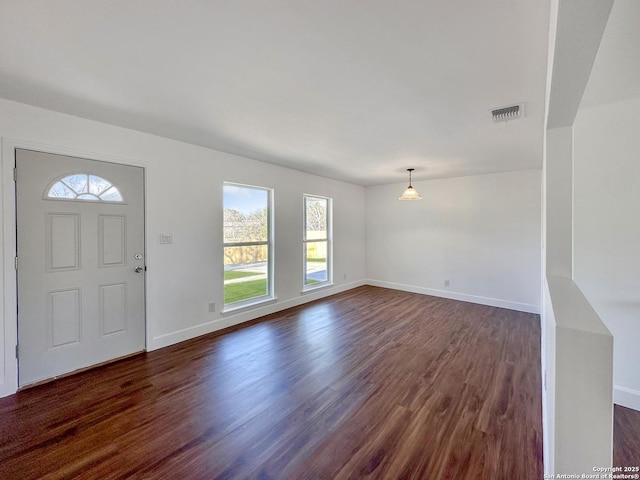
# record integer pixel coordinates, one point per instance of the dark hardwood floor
(626, 437)
(370, 383)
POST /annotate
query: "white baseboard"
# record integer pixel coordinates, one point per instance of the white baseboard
(626, 397)
(231, 319)
(464, 297)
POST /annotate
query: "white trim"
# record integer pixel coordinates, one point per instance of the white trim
(249, 304)
(232, 320)
(9, 327)
(464, 297)
(315, 286)
(8, 279)
(626, 397)
(270, 296)
(547, 349)
(328, 238)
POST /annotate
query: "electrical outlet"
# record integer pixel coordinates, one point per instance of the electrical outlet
(212, 307)
(446, 283)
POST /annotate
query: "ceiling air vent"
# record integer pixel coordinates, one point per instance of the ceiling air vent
(505, 114)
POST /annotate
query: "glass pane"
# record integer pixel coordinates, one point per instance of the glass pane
(316, 217)
(245, 272)
(315, 263)
(245, 214)
(60, 190)
(111, 195)
(81, 186)
(97, 185)
(88, 196)
(77, 183)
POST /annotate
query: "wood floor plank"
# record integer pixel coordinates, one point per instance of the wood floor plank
(370, 383)
(626, 437)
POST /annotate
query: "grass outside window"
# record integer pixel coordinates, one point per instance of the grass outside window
(236, 292)
(234, 274)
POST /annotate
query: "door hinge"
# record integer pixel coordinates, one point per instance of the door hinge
(15, 174)
(16, 351)
(16, 263)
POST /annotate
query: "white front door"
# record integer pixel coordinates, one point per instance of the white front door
(80, 263)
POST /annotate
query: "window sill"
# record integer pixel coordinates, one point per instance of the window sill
(248, 306)
(315, 288)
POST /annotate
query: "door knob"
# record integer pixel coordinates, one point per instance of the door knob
(139, 270)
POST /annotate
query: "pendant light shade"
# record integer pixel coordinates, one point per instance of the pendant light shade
(410, 193)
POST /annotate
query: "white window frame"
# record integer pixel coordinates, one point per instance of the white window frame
(269, 296)
(329, 239)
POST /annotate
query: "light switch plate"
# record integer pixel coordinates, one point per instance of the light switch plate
(166, 238)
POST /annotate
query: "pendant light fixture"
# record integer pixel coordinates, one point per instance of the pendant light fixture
(410, 193)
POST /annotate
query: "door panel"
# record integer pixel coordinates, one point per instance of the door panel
(113, 308)
(80, 300)
(63, 318)
(62, 241)
(112, 240)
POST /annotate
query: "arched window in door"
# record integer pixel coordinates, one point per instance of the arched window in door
(84, 187)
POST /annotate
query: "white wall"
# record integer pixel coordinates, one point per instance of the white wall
(581, 382)
(558, 176)
(548, 360)
(558, 261)
(607, 230)
(184, 197)
(577, 356)
(481, 233)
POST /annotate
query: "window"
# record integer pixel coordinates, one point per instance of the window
(248, 248)
(84, 186)
(317, 241)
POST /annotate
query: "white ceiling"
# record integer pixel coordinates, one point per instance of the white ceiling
(356, 90)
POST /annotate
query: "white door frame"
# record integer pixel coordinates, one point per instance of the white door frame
(8, 279)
